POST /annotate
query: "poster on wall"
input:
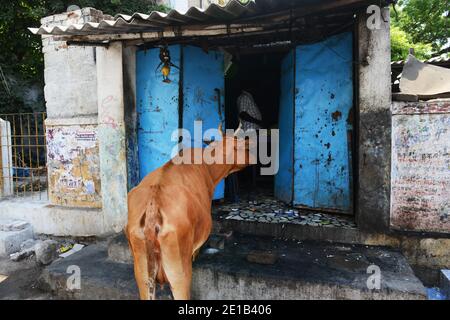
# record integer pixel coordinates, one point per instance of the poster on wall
(73, 164)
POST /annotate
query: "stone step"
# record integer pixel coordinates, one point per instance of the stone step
(303, 270)
(252, 267)
(12, 234)
(295, 231)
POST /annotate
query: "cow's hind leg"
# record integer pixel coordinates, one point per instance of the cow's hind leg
(176, 258)
(141, 270)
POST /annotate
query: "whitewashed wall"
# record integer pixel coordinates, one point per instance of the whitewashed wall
(420, 188)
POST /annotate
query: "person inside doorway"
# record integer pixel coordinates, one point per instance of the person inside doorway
(250, 118)
(249, 114)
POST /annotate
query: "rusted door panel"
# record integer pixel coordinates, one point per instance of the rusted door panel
(284, 177)
(203, 95)
(323, 106)
(157, 107)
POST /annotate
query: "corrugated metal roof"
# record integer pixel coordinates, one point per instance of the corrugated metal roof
(140, 22)
(157, 21)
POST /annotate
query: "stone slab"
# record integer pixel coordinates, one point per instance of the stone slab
(12, 234)
(303, 270)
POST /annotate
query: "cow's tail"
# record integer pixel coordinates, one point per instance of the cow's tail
(153, 222)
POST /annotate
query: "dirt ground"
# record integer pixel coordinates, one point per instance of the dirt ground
(21, 281)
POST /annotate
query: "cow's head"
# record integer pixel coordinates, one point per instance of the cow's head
(236, 151)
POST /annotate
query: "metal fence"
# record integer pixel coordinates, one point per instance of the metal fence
(23, 155)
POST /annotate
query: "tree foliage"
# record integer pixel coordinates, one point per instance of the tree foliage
(421, 25)
(401, 43)
(21, 58)
(426, 21)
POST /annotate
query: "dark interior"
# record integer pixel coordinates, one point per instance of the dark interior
(260, 73)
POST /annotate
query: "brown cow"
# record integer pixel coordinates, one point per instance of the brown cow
(169, 217)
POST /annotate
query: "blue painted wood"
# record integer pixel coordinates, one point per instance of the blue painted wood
(324, 98)
(202, 75)
(284, 178)
(157, 107)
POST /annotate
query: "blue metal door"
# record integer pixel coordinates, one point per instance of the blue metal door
(157, 107)
(284, 177)
(323, 107)
(203, 94)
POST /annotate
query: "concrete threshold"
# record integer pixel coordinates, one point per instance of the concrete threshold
(305, 232)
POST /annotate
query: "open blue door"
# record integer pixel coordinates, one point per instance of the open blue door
(203, 94)
(157, 107)
(284, 177)
(202, 87)
(323, 107)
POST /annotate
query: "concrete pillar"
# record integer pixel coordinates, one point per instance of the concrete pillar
(6, 164)
(129, 88)
(111, 135)
(374, 147)
(71, 103)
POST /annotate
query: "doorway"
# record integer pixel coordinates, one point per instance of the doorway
(259, 74)
(307, 93)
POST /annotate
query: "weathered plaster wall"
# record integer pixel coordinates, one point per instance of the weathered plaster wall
(70, 70)
(111, 135)
(420, 166)
(87, 165)
(71, 125)
(374, 127)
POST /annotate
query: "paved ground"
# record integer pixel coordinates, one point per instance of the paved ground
(240, 267)
(244, 269)
(21, 281)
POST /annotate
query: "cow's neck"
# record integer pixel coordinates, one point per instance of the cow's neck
(218, 171)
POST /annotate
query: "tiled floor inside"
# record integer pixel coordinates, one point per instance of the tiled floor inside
(261, 206)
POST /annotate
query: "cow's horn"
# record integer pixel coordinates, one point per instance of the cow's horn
(220, 129)
(238, 129)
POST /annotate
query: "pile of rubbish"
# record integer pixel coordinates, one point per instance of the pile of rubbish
(45, 251)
